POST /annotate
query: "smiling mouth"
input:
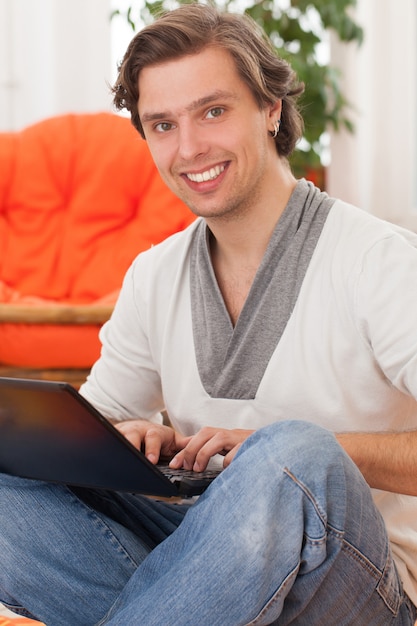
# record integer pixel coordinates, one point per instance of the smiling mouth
(210, 174)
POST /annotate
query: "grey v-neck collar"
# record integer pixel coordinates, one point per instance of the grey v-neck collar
(232, 360)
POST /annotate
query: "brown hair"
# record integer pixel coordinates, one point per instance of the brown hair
(192, 27)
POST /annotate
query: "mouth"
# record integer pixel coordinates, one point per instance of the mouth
(208, 175)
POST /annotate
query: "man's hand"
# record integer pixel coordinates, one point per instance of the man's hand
(155, 440)
(208, 442)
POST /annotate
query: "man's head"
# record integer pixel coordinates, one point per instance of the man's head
(192, 28)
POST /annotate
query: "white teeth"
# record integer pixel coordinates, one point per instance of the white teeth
(210, 174)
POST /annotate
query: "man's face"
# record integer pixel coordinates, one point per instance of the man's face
(207, 135)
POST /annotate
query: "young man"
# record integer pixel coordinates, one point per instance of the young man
(278, 331)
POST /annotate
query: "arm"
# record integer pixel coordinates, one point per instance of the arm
(124, 383)
(386, 311)
(388, 461)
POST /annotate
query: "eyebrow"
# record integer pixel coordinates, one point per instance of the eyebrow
(193, 106)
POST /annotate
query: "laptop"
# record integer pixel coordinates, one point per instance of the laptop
(48, 431)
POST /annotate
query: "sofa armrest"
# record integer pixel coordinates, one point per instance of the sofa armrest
(59, 314)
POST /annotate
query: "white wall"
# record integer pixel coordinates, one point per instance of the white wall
(54, 58)
(376, 168)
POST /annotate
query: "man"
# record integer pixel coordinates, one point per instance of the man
(278, 331)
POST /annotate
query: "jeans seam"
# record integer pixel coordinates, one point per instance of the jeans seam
(377, 573)
(321, 514)
(312, 540)
(108, 533)
(378, 576)
(362, 560)
(290, 576)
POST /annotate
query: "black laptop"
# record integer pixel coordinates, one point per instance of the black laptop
(48, 431)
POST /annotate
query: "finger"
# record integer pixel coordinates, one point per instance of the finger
(224, 442)
(178, 460)
(182, 451)
(218, 444)
(181, 441)
(133, 435)
(152, 442)
(198, 452)
(231, 455)
(187, 457)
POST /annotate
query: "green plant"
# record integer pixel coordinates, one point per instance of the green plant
(296, 29)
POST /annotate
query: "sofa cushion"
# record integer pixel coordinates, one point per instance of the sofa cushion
(80, 197)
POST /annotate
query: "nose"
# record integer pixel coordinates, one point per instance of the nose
(191, 141)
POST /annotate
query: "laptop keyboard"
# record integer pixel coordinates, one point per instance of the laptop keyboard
(197, 480)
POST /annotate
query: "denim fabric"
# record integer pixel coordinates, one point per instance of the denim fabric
(288, 534)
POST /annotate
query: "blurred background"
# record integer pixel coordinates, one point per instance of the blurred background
(59, 56)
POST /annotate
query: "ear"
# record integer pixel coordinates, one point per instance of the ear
(274, 112)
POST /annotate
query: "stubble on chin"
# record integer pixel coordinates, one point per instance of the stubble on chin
(234, 210)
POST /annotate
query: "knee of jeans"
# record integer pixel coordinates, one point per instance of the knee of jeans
(294, 442)
(307, 453)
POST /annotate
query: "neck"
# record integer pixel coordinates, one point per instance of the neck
(238, 245)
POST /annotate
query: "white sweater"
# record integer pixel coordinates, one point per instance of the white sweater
(347, 359)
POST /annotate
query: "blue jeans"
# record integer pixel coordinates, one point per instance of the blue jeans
(287, 534)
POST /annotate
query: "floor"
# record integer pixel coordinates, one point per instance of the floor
(5, 612)
(7, 618)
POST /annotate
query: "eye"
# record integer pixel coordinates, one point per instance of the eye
(215, 112)
(164, 127)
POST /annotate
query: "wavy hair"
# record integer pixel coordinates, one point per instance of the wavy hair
(192, 27)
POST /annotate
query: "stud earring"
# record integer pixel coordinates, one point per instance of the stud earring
(275, 132)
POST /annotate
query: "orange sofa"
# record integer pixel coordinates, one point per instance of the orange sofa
(80, 197)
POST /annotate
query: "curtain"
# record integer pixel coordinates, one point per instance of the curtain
(55, 58)
(376, 168)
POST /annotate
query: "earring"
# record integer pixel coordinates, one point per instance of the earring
(275, 132)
